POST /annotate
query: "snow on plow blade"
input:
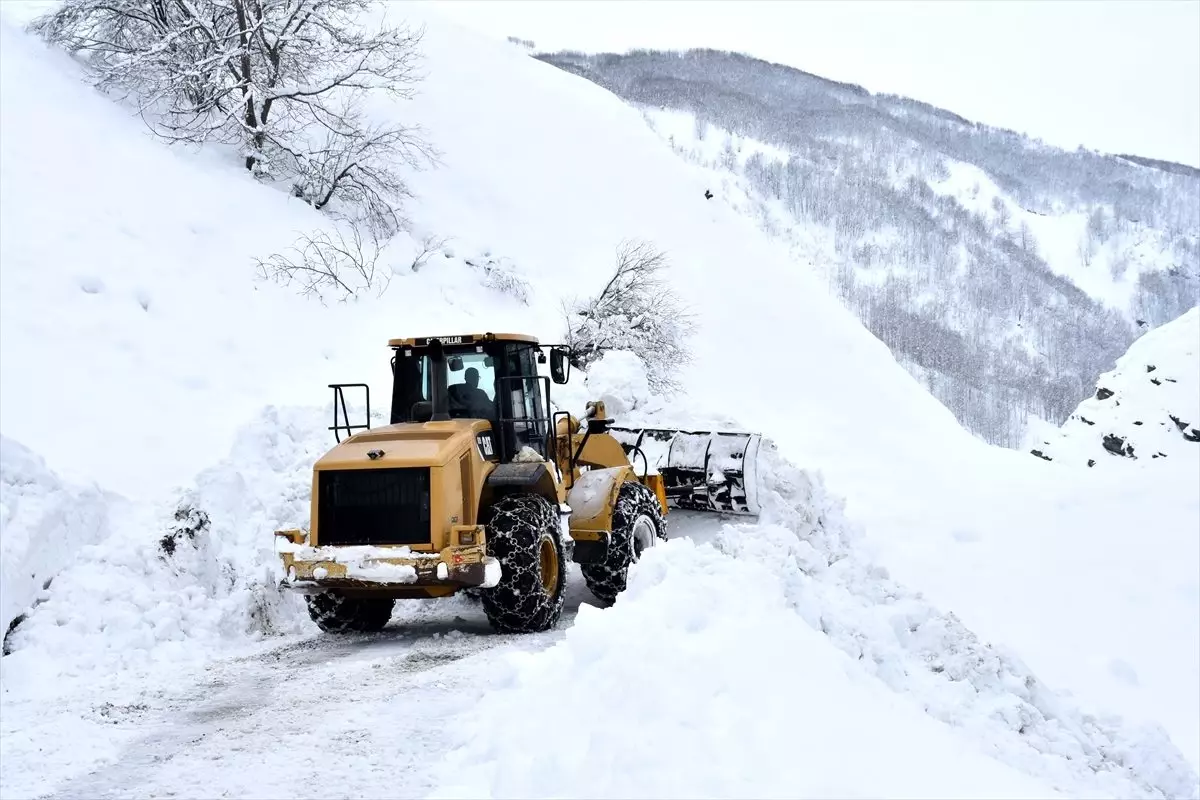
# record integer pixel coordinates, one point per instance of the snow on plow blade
(701, 470)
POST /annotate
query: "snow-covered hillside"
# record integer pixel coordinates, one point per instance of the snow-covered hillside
(164, 648)
(1145, 409)
(1003, 273)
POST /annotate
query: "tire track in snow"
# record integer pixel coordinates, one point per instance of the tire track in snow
(355, 715)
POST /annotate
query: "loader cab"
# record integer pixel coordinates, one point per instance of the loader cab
(490, 376)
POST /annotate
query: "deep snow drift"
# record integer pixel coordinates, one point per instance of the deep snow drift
(1144, 410)
(544, 174)
(636, 672)
(44, 522)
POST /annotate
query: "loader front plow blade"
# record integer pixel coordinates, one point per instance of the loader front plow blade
(701, 470)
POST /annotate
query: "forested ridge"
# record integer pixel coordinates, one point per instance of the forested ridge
(978, 297)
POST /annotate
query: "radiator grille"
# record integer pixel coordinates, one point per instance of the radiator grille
(374, 506)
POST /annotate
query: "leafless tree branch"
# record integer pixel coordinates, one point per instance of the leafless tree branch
(324, 263)
(427, 246)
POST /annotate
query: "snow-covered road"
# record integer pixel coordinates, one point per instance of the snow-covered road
(320, 716)
(314, 715)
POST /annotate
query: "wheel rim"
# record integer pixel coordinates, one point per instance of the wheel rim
(643, 535)
(548, 565)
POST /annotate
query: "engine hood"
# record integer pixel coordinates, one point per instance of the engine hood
(410, 444)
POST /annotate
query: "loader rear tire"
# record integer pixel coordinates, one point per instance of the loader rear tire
(523, 534)
(335, 612)
(638, 523)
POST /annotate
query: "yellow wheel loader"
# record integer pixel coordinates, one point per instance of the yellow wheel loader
(476, 485)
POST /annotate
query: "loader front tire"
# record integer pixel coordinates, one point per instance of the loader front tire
(638, 523)
(523, 535)
(335, 612)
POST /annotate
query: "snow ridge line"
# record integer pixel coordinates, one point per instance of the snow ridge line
(803, 537)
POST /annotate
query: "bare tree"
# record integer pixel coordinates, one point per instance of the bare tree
(282, 80)
(636, 311)
(428, 245)
(324, 262)
(1026, 236)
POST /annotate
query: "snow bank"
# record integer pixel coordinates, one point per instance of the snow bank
(1146, 409)
(922, 651)
(701, 682)
(171, 583)
(705, 667)
(44, 522)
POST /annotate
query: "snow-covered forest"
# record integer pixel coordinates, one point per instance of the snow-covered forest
(1004, 273)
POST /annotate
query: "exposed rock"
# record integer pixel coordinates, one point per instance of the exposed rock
(1116, 445)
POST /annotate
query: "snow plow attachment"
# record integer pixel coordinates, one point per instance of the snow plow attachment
(701, 470)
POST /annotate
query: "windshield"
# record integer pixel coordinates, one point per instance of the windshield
(470, 385)
(500, 385)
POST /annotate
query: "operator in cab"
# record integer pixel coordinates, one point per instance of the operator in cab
(468, 400)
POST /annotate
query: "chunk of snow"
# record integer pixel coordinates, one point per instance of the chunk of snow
(618, 378)
(382, 572)
(492, 572)
(590, 492)
(527, 455)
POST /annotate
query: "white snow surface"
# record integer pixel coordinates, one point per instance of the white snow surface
(44, 522)
(129, 601)
(618, 378)
(1149, 405)
(164, 657)
(676, 715)
(795, 582)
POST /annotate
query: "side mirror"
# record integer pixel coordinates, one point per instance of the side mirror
(560, 365)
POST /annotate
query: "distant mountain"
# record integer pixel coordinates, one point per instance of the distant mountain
(1003, 272)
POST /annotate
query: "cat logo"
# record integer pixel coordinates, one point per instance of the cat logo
(487, 448)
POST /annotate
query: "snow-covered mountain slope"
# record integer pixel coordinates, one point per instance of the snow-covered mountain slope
(1003, 273)
(514, 193)
(1145, 409)
(543, 175)
(134, 335)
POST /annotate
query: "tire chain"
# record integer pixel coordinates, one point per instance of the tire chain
(515, 525)
(607, 579)
(334, 612)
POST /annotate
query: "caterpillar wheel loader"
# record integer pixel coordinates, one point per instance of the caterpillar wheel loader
(476, 485)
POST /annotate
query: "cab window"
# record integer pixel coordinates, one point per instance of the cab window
(471, 386)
